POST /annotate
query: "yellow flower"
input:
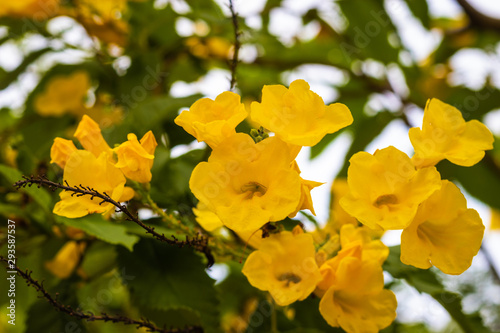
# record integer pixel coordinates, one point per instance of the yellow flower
(66, 259)
(99, 173)
(446, 135)
(89, 135)
(355, 242)
(60, 151)
(284, 265)
(385, 189)
(213, 121)
(357, 301)
(136, 159)
(63, 94)
(206, 218)
(247, 184)
(298, 115)
(371, 249)
(338, 216)
(38, 10)
(444, 233)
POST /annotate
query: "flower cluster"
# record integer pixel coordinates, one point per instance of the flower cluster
(249, 181)
(388, 190)
(101, 168)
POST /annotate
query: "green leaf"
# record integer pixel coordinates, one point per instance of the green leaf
(105, 230)
(39, 195)
(170, 278)
(368, 31)
(426, 281)
(420, 9)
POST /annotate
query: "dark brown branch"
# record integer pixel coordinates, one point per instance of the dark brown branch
(237, 45)
(198, 243)
(89, 316)
(477, 18)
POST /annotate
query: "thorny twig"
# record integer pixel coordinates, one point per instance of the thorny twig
(89, 316)
(234, 62)
(198, 243)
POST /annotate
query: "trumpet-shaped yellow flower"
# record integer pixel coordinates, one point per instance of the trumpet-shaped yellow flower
(213, 121)
(63, 94)
(285, 266)
(99, 173)
(66, 259)
(89, 135)
(136, 159)
(444, 233)
(247, 184)
(385, 189)
(38, 10)
(446, 135)
(60, 151)
(298, 115)
(357, 301)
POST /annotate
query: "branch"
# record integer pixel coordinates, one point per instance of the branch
(477, 18)
(198, 243)
(89, 316)
(234, 62)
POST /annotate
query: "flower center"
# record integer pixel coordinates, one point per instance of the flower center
(386, 199)
(253, 188)
(289, 277)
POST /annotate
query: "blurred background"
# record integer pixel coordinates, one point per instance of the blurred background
(134, 65)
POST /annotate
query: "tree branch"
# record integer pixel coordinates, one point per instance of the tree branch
(237, 45)
(89, 316)
(198, 243)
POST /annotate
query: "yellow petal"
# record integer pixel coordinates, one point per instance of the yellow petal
(284, 265)
(358, 303)
(213, 121)
(89, 135)
(298, 115)
(444, 233)
(66, 259)
(61, 150)
(385, 189)
(83, 168)
(446, 135)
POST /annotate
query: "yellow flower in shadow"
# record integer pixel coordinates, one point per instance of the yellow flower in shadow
(298, 115)
(135, 158)
(213, 121)
(444, 233)
(247, 184)
(446, 135)
(66, 259)
(63, 94)
(386, 190)
(285, 266)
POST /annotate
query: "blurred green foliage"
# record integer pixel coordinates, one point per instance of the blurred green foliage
(123, 270)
